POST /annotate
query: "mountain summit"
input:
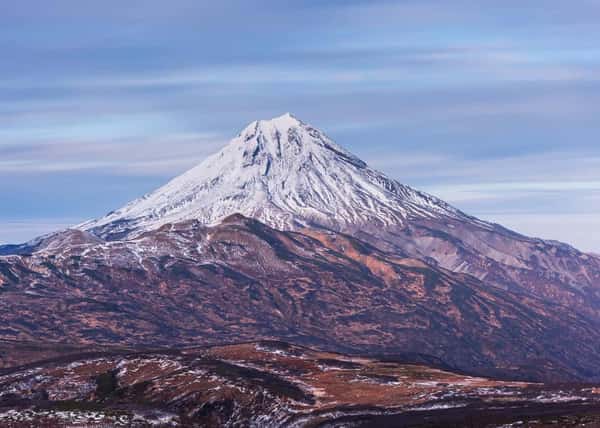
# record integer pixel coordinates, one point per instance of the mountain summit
(289, 175)
(283, 172)
(247, 245)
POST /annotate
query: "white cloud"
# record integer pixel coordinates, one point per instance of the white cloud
(537, 171)
(162, 155)
(479, 191)
(578, 230)
(23, 230)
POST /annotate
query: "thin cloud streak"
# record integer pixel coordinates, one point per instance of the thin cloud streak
(23, 230)
(133, 156)
(483, 68)
(491, 105)
(570, 228)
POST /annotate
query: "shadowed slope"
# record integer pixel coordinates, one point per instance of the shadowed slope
(242, 280)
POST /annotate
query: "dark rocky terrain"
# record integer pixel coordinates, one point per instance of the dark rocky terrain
(18, 353)
(242, 280)
(274, 384)
(284, 235)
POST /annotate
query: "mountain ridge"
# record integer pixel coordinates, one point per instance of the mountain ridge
(290, 175)
(283, 172)
(284, 234)
(186, 283)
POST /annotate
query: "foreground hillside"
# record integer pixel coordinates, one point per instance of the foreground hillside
(242, 281)
(273, 384)
(285, 235)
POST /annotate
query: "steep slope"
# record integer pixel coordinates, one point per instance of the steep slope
(289, 175)
(241, 280)
(282, 172)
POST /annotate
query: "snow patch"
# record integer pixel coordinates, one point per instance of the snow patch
(284, 173)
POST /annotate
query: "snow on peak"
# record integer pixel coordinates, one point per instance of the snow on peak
(282, 172)
(281, 123)
(285, 136)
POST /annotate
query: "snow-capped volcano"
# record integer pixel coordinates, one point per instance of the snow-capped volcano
(180, 264)
(291, 176)
(285, 173)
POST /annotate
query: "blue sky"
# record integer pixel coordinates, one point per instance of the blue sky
(491, 105)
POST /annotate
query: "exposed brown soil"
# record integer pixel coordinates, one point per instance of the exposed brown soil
(274, 384)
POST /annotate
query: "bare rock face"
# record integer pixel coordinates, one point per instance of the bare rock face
(185, 283)
(289, 175)
(550, 270)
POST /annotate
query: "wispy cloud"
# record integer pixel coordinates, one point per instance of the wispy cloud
(160, 155)
(492, 105)
(12, 231)
(572, 228)
(432, 66)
